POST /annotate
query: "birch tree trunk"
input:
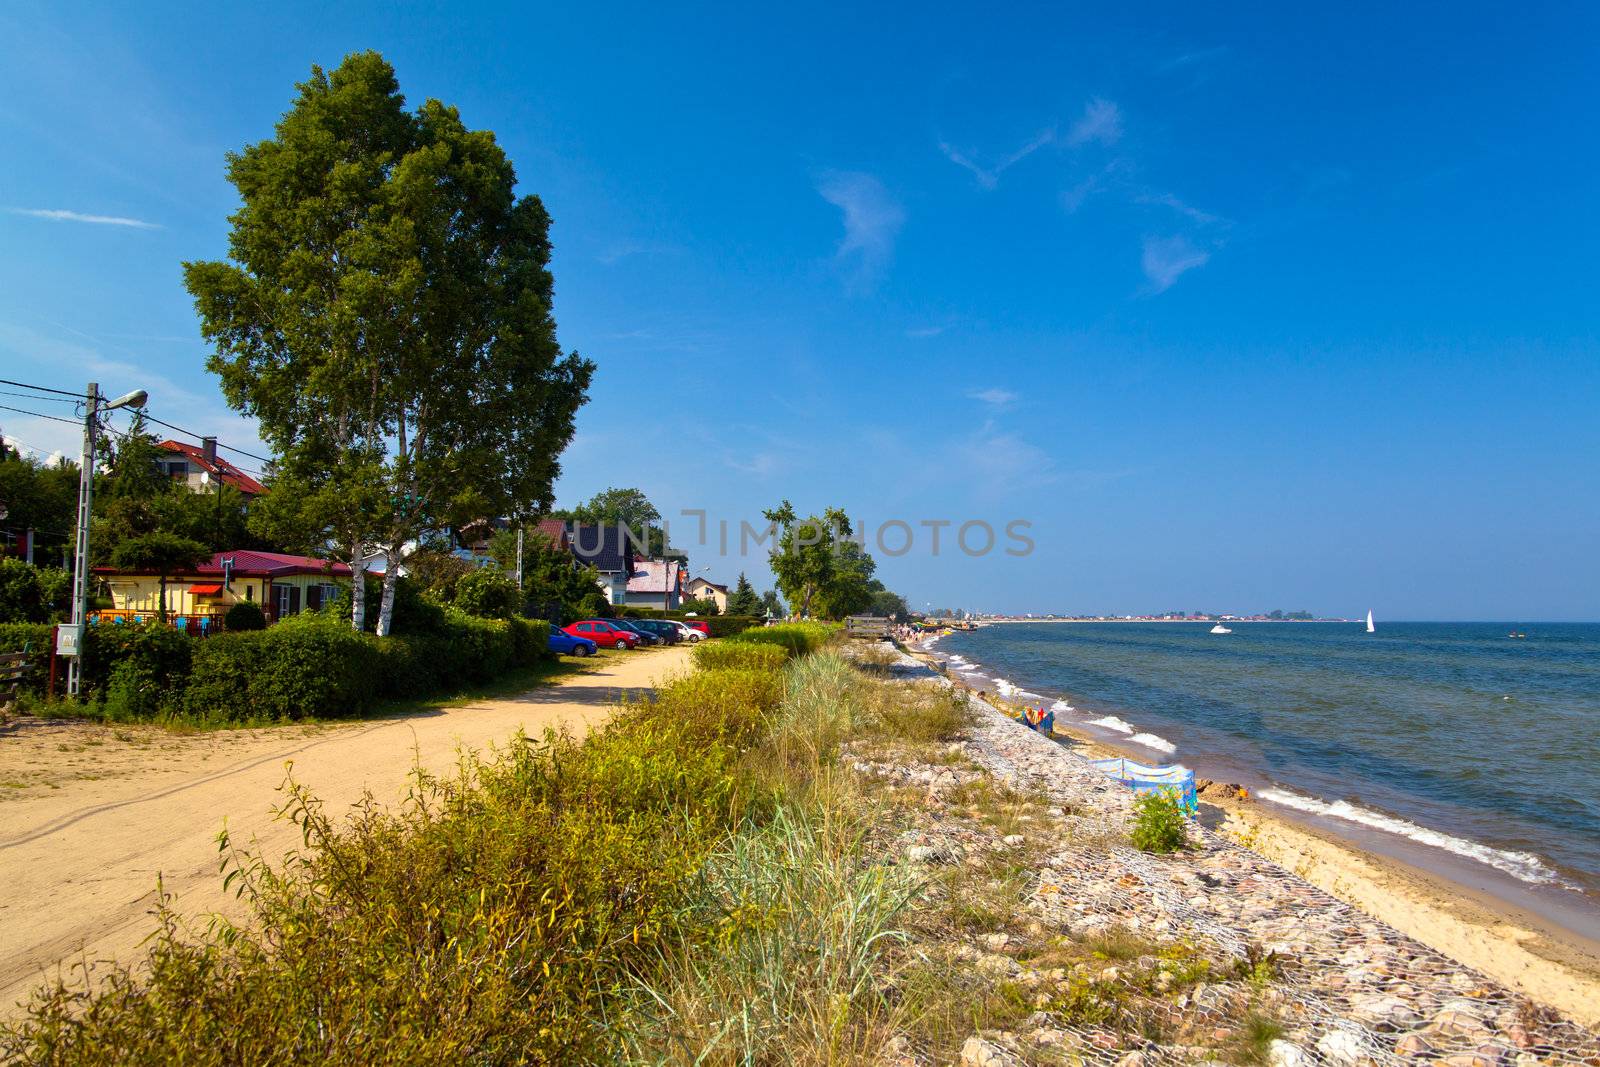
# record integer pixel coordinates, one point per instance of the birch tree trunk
(390, 577)
(358, 595)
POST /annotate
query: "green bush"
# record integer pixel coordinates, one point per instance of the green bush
(36, 639)
(722, 704)
(160, 656)
(32, 594)
(488, 594)
(747, 654)
(798, 638)
(304, 667)
(133, 692)
(245, 615)
(1159, 824)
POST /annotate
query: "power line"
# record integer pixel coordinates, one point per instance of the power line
(39, 415)
(41, 388)
(36, 396)
(199, 437)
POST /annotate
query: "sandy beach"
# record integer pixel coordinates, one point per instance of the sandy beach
(1516, 946)
(94, 814)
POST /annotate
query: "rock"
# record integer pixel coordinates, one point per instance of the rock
(928, 854)
(976, 1052)
(996, 942)
(1133, 1059)
(1385, 1012)
(1413, 1045)
(1047, 1035)
(1283, 1053)
(1453, 1022)
(1015, 840)
(1340, 1046)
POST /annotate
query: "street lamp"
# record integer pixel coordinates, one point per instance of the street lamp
(69, 636)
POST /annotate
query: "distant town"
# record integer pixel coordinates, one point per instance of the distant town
(1165, 616)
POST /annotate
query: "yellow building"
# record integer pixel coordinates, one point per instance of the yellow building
(281, 584)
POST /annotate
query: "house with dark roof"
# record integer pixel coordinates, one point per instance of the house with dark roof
(200, 468)
(282, 584)
(611, 550)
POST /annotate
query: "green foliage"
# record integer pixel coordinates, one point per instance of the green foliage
(307, 666)
(1159, 824)
(386, 316)
(712, 655)
(33, 594)
(772, 605)
(43, 498)
(552, 588)
(487, 593)
(703, 606)
(36, 639)
(821, 570)
(797, 638)
(244, 615)
(157, 655)
(628, 508)
(744, 600)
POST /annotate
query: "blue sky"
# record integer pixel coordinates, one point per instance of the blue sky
(1241, 309)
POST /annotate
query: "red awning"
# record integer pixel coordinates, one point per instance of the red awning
(206, 589)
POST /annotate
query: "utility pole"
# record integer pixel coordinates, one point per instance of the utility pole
(80, 562)
(519, 556)
(208, 449)
(69, 638)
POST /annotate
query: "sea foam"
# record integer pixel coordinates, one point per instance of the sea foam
(1521, 865)
(1111, 722)
(1160, 744)
(1061, 705)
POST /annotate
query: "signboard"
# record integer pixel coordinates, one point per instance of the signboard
(67, 636)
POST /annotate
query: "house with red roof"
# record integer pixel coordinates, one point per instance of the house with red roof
(200, 468)
(655, 583)
(281, 583)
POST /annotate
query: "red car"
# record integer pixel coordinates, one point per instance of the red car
(603, 633)
(696, 624)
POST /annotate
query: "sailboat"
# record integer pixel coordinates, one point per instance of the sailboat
(1370, 628)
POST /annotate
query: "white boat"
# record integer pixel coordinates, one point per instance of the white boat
(1370, 628)
(1220, 629)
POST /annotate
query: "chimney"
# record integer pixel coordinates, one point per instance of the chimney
(208, 449)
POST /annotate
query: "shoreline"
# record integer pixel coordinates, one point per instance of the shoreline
(1543, 959)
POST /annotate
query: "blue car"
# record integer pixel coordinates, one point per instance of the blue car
(565, 644)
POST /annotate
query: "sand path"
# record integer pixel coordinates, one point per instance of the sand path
(90, 814)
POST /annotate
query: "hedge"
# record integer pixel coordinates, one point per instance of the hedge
(797, 638)
(739, 655)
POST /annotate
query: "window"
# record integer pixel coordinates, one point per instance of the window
(288, 599)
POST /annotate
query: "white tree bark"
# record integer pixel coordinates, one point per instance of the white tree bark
(390, 577)
(358, 595)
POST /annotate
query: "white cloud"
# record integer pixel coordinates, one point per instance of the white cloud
(1204, 218)
(920, 332)
(77, 216)
(872, 220)
(995, 397)
(1166, 259)
(989, 177)
(1101, 121)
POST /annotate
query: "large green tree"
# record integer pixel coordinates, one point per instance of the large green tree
(820, 569)
(631, 509)
(40, 497)
(385, 314)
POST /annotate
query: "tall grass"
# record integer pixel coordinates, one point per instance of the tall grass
(796, 924)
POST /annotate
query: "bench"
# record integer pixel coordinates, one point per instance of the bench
(13, 672)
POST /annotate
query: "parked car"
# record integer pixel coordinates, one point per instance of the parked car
(565, 644)
(604, 633)
(697, 624)
(645, 636)
(685, 631)
(660, 627)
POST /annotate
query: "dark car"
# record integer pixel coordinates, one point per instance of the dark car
(646, 636)
(664, 630)
(565, 644)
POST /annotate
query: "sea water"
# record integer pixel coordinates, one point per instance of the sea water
(1453, 737)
